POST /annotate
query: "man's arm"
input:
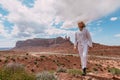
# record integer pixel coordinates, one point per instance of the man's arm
(76, 43)
(89, 38)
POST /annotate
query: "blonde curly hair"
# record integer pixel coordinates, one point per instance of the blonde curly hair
(81, 22)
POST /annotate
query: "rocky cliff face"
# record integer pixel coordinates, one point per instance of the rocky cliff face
(58, 44)
(41, 42)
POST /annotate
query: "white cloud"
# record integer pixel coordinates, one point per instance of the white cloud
(99, 22)
(1, 15)
(3, 32)
(117, 35)
(1, 28)
(55, 31)
(113, 18)
(60, 32)
(96, 30)
(72, 11)
(29, 22)
(5, 43)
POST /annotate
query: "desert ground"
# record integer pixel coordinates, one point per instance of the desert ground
(64, 66)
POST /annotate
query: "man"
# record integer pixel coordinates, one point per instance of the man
(82, 42)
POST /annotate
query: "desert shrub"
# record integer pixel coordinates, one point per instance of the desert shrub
(61, 69)
(14, 67)
(27, 54)
(6, 61)
(32, 70)
(26, 58)
(98, 65)
(45, 76)
(74, 72)
(15, 71)
(0, 60)
(95, 69)
(57, 62)
(52, 71)
(7, 57)
(43, 56)
(35, 62)
(114, 71)
(13, 59)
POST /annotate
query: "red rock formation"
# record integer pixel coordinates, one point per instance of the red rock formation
(62, 45)
(41, 42)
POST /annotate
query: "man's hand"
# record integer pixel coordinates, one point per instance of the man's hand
(75, 48)
(90, 48)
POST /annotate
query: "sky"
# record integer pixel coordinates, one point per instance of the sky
(28, 19)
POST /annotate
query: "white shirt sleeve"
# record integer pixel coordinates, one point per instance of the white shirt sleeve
(89, 38)
(75, 44)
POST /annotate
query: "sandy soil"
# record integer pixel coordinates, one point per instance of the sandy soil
(36, 62)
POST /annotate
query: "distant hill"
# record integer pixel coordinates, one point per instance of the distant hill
(3, 49)
(41, 42)
(58, 44)
(62, 45)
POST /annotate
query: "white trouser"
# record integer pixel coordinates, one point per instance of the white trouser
(83, 51)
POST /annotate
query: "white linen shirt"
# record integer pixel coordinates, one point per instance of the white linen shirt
(83, 37)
